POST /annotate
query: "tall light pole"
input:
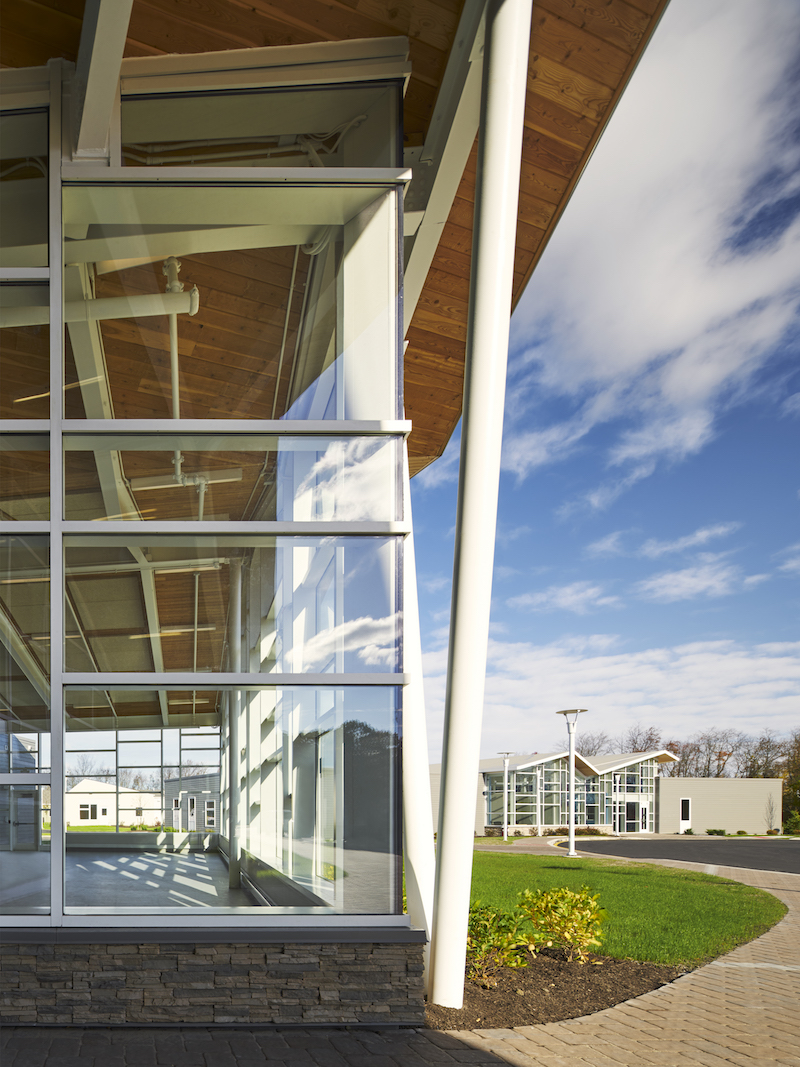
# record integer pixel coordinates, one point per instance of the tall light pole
(505, 756)
(575, 712)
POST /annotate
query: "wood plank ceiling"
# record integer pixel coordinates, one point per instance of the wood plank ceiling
(582, 55)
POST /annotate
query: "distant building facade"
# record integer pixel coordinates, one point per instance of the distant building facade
(621, 793)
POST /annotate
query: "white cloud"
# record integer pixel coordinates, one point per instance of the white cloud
(652, 548)
(434, 585)
(442, 470)
(791, 405)
(578, 597)
(682, 689)
(713, 577)
(791, 557)
(610, 545)
(373, 640)
(661, 297)
(753, 580)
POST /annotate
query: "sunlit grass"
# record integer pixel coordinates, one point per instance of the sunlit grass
(660, 914)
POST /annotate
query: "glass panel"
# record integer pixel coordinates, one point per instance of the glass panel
(288, 479)
(162, 603)
(23, 188)
(24, 476)
(24, 653)
(24, 351)
(312, 817)
(24, 850)
(289, 308)
(330, 126)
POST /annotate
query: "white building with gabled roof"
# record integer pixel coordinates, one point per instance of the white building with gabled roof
(615, 793)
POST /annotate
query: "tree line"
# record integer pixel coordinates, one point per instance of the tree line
(715, 753)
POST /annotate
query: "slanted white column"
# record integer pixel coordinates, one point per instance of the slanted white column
(417, 812)
(508, 25)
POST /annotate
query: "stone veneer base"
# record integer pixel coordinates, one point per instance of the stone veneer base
(298, 982)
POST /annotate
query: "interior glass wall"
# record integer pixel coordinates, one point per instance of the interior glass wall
(224, 646)
(299, 785)
(24, 351)
(165, 603)
(23, 188)
(24, 724)
(230, 477)
(348, 126)
(203, 303)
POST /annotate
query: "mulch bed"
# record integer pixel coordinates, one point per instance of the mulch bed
(548, 990)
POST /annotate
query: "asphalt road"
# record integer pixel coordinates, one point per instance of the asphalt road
(755, 853)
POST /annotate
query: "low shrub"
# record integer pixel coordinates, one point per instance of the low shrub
(741, 833)
(565, 918)
(494, 940)
(771, 833)
(580, 831)
(562, 918)
(690, 831)
(716, 833)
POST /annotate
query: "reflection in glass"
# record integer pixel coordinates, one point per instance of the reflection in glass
(23, 188)
(24, 477)
(271, 303)
(24, 850)
(331, 126)
(163, 603)
(299, 785)
(24, 644)
(24, 351)
(289, 479)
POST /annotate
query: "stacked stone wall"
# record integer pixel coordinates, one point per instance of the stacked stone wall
(211, 983)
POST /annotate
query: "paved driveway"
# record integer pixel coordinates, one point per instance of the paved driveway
(757, 854)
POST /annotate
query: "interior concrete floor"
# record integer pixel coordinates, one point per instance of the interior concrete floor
(117, 878)
(24, 883)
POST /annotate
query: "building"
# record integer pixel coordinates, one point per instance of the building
(233, 316)
(617, 794)
(730, 804)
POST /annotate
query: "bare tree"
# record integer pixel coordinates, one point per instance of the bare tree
(593, 743)
(130, 778)
(639, 739)
(82, 765)
(761, 757)
(770, 813)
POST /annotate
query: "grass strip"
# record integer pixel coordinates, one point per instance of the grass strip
(658, 914)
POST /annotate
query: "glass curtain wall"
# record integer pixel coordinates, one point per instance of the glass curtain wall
(622, 799)
(217, 485)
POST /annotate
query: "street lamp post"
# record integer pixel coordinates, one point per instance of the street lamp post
(574, 712)
(505, 756)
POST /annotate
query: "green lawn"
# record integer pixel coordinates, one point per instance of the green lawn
(661, 914)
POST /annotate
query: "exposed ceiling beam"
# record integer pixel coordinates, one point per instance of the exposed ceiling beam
(105, 29)
(90, 362)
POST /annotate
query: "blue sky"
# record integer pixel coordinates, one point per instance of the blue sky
(648, 554)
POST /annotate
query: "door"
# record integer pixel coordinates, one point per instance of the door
(631, 816)
(685, 820)
(192, 814)
(24, 820)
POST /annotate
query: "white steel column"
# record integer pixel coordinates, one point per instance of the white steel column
(57, 781)
(496, 196)
(417, 812)
(234, 711)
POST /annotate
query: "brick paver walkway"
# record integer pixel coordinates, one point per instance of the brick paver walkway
(742, 1009)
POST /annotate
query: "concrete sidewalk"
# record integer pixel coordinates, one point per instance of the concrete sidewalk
(742, 1009)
